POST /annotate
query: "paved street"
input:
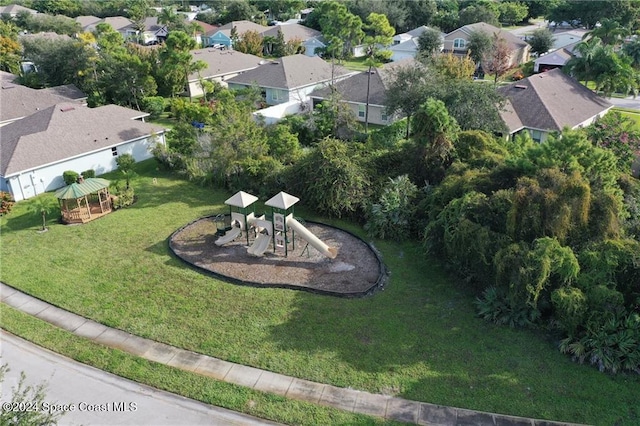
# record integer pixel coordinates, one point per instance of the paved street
(629, 102)
(91, 390)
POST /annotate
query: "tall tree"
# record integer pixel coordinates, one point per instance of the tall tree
(429, 42)
(479, 44)
(10, 49)
(513, 12)
(176, 63)
(249, 42)
(497, 61)
(406, 91)
(379, 35)
(342, 28)
(610, 32)
(582, 66)
(481, 12)
(541, 41)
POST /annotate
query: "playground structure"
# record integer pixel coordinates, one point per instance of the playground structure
(278, 230)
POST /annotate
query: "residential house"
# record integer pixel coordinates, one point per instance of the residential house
(88, 22)
(38, 149)
(406, 45)
(18, 101)
(565, 38)
(457, 41)
(13, 10)
(221, 66)
(555, 59)
(154, 32)
(290, 78)
(222, 37)
(353, 92)
(307, 36)
(119, 23)
(548, 102)
(199, 36)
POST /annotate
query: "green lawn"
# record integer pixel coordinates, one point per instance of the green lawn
(633, 114)
(355, 64)
(419, 339)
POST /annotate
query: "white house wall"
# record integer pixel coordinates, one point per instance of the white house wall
(375, 113)
(49, 177)
(402, 54)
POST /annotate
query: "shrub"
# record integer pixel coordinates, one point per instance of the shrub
(124, 196)
(331, 178)
(6, 203)
(70, 177)
(154, 105)
(389, 136)
(494, 307)
(610, 342)
(390, 216)
(89, 174)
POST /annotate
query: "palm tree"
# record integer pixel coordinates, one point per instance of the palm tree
(632, 50)
(610, 32)
(168, 16)
(581, 65)
(42, 206)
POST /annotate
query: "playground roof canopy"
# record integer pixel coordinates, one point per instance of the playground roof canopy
(241, 199)
(78, 190)
(282, 200)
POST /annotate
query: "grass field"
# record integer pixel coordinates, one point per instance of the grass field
(418, 339)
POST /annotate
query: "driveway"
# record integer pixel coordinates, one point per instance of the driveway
(100, 398)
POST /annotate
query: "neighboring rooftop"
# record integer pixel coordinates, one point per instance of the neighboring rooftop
(242, 27)
(513, 41)
(18, 101)
(550, 101)
(290, 72)
(222, 62)
(67, 130)
(14, 9)
(292, 32)
(354, 88)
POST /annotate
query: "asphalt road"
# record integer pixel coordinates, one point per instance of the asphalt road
(100, 398)
(629, 102)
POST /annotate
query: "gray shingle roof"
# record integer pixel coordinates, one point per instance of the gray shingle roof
(242, 27)
(19, 101)
(290, 72)
(14, 9)
(551, 101)
(292, 31)
(354, 88)
(223, 62)
(67, 130)
(514, 41)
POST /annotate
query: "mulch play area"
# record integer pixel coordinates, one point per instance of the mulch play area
(356, 271)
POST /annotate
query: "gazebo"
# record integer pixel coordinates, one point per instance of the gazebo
(84, 201)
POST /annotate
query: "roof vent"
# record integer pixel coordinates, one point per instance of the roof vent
(66, 109)
(520, 86)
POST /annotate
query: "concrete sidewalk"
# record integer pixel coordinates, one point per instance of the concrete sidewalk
(342, 398)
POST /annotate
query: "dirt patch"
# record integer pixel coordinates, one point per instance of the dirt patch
(356, 271)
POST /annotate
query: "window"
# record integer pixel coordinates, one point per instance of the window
(459, 43)
(536, 135)
(383, 116)
(361, 111)
(114, 151)
(276, 95)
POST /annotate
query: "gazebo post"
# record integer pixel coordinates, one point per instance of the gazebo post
(86, 202)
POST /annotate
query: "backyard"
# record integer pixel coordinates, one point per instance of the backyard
(418, 339)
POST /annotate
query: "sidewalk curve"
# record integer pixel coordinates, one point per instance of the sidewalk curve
(351, 400)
